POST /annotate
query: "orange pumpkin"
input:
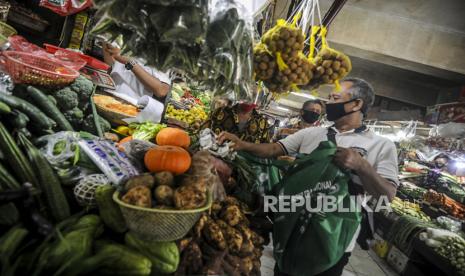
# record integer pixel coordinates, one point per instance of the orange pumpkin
(171, 136)
(167, 158)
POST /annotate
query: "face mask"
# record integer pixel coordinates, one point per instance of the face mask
(335, 111)
(310, 116)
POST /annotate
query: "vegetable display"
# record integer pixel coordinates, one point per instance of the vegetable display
(449, 205)
(401, 207)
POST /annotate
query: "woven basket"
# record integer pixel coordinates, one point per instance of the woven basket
(6, 30)
(115, 118)
(32, 69)
(157, 224)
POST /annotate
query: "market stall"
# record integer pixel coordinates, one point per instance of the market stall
(97, 182)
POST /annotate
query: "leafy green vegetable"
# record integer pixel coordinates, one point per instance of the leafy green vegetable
(146, 131)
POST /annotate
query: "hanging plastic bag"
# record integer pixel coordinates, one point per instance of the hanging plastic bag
(227, 60)
(66, 7)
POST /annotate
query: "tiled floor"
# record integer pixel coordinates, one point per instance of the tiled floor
(361, 263)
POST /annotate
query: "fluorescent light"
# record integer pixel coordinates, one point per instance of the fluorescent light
(460, 165)
(304, 95)
(282, 108)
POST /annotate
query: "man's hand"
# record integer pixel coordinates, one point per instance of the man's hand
(236, 142)
(348, 159)
(114, 53)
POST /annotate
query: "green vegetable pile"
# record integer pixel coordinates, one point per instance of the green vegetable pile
(404, 229)
(411, 191)
(177, 35)
(74, 102)
(453, 249)
(146, 131)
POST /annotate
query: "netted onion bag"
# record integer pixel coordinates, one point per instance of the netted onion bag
(330, 66)
(264, 63)
(285, 39)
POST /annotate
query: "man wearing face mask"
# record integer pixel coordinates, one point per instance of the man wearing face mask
(372, 159)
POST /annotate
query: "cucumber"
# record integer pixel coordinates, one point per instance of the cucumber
(48, 181)
(17, 160)
(50, 109)
(36, 116)
(7, 181)
(18, 119)
(10, 242)
(4, 108)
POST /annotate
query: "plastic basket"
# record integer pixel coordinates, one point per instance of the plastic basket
(6, 30)
(31, 69)
(157, 224)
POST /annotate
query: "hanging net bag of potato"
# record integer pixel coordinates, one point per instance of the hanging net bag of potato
(285, 40)
(330, 65)
(264, 62)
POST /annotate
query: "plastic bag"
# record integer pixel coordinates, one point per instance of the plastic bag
(66, 7)
(184, 25)
(135, 150)
(112, 162)
(228, 56)
(63, 153)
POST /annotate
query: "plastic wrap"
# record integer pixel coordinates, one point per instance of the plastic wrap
(112, 162)
(135, 150)
(228, 55)
(63, 153)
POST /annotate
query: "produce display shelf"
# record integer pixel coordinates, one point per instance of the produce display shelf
(421, 249)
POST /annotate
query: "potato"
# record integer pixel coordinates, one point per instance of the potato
(296, 46)
(138, 196)
(342, 71)
(302, 75)
(263, 66)
(334, 76)
(145, 179)
(294, 54)
(325, 54)
(287, 50)
(325, 78)
(265, 58)
(290, 41)
(269, 72)
(275, 36)
(272, 46)
(293, 66)
(327, 63)
(298, 70)
(329, 71)
(280, 44)
(284, 34)
(164, 178)
(299, 61)
(293, 77)
(300, 38)
(286, 71)
(345, 64)
(164, 195)
(336, 65)
(320, 70)
(285, 79)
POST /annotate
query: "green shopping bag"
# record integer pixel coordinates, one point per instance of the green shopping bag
(308, 243)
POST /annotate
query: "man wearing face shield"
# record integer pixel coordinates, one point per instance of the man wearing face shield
(372, 159)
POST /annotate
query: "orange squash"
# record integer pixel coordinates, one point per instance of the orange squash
(171, 136)
(167, 158)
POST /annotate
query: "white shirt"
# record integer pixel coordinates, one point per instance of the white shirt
(127, 83)
(379, 151)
